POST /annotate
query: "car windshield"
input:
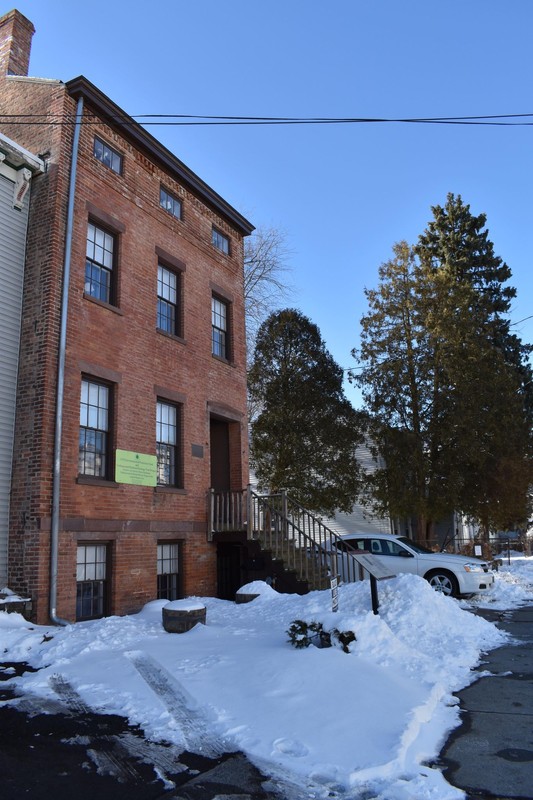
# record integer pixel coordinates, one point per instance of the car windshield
(418, 548)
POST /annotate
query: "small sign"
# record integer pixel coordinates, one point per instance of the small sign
(138, 469)
(478, 550)
(373, 565)
(334, 594)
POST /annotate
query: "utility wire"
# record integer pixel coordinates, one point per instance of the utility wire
(201, 119)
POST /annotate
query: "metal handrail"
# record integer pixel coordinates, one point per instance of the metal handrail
(292, 533)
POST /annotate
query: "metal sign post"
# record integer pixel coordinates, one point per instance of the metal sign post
(334, 594)
(377, 572)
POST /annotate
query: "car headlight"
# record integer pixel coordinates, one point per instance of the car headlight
(472, 568)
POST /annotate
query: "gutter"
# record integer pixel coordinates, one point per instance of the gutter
(130, 129)
(56, 475)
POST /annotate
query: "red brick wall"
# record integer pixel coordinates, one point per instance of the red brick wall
(16, 33)
(121, 343)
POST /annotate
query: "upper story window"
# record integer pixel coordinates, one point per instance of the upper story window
(167, 418)
(94, 429)
(100, 256)
(170, 203)
(167, 300)
(220, 241)
(104, 153)
(219, 327)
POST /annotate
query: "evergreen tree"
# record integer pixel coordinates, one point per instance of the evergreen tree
(445, 381)
(400, 381)
(305, 436)
(493, 409)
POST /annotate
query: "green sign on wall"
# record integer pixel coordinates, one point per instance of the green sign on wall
(136, 468)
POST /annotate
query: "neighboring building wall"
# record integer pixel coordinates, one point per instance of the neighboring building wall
(14, 201)
(119, 344)
(361, 519)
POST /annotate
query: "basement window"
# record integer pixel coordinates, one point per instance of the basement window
(168, 575)
(91, 581)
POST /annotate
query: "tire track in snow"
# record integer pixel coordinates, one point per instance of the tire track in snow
(110, 758)
(192, 722)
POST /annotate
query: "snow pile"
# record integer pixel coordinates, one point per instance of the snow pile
(513, 587)
(322, 720)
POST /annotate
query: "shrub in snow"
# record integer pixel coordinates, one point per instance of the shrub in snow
(302, 634)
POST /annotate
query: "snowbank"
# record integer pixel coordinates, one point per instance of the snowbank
(316, 718)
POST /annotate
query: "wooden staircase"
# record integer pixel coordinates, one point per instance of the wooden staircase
(291, 536)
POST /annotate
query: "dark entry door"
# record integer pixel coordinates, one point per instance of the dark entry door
(219, 442)
(229, 569)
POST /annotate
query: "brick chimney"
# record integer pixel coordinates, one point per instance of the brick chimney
(16, 33)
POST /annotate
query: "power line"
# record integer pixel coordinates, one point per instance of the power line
(506, 120)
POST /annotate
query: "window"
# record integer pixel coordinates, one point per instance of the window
(99, 263)
(170, 203)
(168, 579)
(219, 327)
(167, 301)
(107, 155)
(167, 418)
(94, 429)
(91, 581)
(220, 241)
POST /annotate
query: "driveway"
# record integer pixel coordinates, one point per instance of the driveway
(63, 750)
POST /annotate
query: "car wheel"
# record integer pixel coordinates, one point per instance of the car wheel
(443, 581)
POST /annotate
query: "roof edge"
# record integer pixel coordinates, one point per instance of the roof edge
(18, 157)
(115, 116)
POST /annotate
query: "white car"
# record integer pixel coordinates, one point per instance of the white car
(448, 573)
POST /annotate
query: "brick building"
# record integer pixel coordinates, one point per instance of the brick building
(131, 399)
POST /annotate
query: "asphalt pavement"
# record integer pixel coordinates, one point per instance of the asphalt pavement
(491, 754)
(61, 750)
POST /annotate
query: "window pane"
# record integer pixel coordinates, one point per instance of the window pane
(170, 203)
(167, 297)
(93, 393)
(167, 444)
(103, 393)
(219, 327)
(107, 155)
(102, 419)
(93, 430)
(99, 264)
(166, 284)
(220, 241)
(168, 571)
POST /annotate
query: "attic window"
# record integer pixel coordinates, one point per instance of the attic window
(104, 153)
(220, 241)
(170, 203)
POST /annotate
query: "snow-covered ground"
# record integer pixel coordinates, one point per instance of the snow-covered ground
(321, 721)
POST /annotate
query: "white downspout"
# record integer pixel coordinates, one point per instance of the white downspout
(56, 475)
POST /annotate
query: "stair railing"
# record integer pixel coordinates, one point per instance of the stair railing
(300, 539)
(292, 534)
(227, 511)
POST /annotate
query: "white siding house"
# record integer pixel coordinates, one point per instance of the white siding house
(16, 169)
(360, 519)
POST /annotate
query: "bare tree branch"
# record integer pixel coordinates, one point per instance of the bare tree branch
(265, 277)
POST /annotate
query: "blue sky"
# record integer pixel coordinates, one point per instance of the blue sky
(343, 194)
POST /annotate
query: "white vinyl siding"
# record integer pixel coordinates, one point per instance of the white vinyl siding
(360, 519)
(12, 250)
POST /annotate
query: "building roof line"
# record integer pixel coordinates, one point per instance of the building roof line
(136, 134)
(18, 157)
